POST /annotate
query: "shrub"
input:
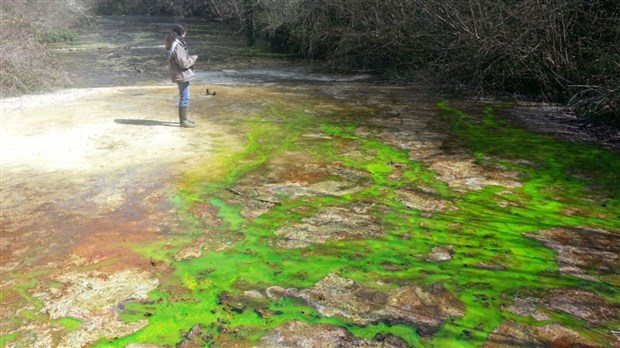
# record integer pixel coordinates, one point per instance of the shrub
(553, 50)
(60, 35)
(26, 65)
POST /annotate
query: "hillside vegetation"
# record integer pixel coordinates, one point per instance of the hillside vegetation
(26, 65)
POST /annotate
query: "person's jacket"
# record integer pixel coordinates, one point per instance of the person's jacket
(181, 63)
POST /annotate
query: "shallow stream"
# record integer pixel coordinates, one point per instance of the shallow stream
(306, 210)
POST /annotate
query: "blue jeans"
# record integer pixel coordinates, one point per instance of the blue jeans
(184, 95)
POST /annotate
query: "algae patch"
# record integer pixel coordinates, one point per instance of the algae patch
(414, 225)
(365, 222)
(87, 307)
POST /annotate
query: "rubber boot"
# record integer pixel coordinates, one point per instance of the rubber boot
(183, 121)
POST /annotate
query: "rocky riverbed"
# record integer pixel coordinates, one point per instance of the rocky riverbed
(303, 213)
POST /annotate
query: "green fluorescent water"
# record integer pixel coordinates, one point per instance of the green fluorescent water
(554, 177)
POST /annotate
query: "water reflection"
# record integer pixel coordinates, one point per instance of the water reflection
(265, 76)
(122, 51)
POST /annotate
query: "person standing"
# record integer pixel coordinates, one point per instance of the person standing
(181, 69)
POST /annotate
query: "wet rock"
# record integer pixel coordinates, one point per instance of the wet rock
(582, 304)
(331, 223)
(489, 266)
(528, 307)
(562, 123)
(232, 302)
(463, 174)
(35, 335)
(424, 309)
(255, 201)
(389, 266)
(398, 170)
(266, 313)
(420, 142)
(389, 340)
(214, 240)
(194, 251)
(438, 254)
(251, 300)
(253, 294)
(293, 175)
(333, 188)
(298, 334)
(510, 334)
(396, 164)
(195, 338)
(207, 213)
(425, 201)
(278, 293)
(91, 298)
(263, 198)
(584, 253)
(259, 194)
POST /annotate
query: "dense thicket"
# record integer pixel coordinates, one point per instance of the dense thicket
(25, 64)
(556, 50)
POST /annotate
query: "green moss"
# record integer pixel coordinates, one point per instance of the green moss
(558, 162)
(4, 339)
(492, 263)
(69, 324)
(61, 35)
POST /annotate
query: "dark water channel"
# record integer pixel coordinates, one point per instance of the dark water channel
(355, 215)
(128, 51)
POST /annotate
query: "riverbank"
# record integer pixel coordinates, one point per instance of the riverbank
(292, 213)
(302, 208)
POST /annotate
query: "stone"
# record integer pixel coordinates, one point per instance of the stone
(37, 336)
(584, 253)
(214, 240)
(582, 304)
(439, 254)
(463, 174)
(92, 298)
(510, 334)
(292, 175)
(423, 309)
(195, 338)
(488, 265)
(528, 307)
(278, 293)
(389, 340)
(331, 223)
(253, 294)
(418, 139)
(298, 334)
(424, 201)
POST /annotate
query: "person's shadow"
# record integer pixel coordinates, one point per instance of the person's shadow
(136, 122)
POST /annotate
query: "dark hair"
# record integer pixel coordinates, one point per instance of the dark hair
(169, 39)
(179, 29)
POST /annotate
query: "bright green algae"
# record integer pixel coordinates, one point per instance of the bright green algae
(479, 231)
